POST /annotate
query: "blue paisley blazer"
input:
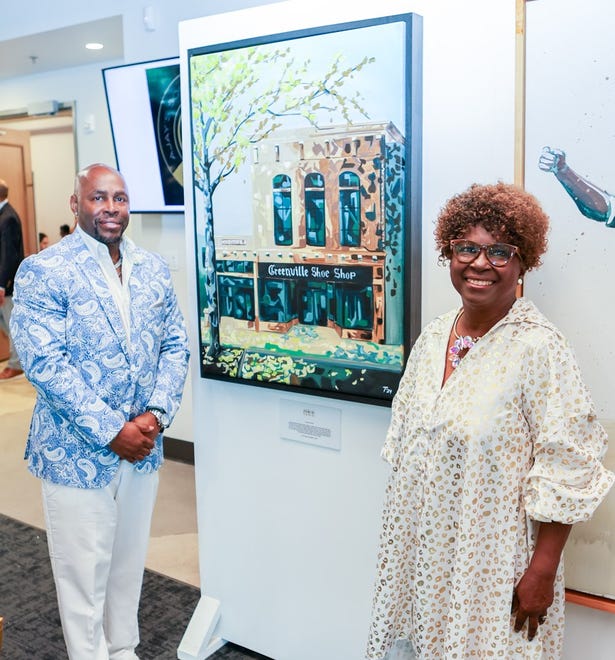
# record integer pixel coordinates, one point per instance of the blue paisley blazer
(89, 381)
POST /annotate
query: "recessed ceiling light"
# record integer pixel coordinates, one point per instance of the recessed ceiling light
(94, 46)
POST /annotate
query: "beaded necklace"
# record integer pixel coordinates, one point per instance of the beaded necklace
(118, 267)
(461, 344)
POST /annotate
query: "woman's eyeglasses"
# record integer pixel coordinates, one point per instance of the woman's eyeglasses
(498, 254)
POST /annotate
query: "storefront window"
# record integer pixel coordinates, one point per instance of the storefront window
(313, 303)
(274, 301)
(236, 297)
(354, 308)
(234, 266)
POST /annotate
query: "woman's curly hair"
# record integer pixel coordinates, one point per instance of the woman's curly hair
(507, 211)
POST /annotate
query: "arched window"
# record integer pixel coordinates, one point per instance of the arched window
(350, 209)
(282, 210)
(315, 209)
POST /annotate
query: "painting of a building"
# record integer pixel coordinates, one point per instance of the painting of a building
(306, 162)
(327, 247)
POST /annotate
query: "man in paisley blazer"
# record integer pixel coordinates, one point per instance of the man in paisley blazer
(100, 336)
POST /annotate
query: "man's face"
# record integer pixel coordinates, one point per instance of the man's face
(102, 205)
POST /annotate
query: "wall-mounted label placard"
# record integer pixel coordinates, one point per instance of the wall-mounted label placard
(311, 424)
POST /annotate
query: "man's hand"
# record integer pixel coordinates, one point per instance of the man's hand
(148, 424)
(133, 443)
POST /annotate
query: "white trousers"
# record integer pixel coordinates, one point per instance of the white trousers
(97, 545)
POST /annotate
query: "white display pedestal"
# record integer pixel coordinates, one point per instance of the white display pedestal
(288, 532)
(199, 640)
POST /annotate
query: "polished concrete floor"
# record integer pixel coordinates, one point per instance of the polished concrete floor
(173, 547)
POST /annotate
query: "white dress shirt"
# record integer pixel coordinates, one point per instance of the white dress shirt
(118, 287)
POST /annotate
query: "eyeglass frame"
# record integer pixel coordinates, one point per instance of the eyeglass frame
(484, 248)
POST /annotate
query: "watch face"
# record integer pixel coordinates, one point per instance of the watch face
(161, 417)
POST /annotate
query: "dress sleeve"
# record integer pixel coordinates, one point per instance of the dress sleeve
(401, 405)
(567, 480)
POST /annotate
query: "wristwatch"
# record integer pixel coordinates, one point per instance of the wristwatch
(161, 417)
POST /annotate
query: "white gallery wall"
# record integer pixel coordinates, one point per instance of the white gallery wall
(288, 532)
(53, 162)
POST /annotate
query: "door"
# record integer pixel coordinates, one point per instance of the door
(16, 170)
(314, 303)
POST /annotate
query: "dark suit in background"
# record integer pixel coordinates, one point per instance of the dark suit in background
(11, 255)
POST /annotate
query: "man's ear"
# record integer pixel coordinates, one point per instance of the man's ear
(73, 204)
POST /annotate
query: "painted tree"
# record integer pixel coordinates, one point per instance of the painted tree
(236, 102)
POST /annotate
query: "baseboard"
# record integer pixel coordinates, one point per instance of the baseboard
(178, 450)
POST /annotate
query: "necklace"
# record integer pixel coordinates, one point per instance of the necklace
(118, 267)
(461, 344)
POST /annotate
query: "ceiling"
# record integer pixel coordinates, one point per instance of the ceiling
(62, 48)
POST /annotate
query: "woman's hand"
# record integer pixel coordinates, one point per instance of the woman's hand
(531, 600)
(533, 594)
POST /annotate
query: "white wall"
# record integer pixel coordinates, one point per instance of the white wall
(588, 634)
(53, 165)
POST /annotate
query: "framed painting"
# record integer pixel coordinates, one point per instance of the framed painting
(306, 156)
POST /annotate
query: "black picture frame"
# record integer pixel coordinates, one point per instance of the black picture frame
(306, 158)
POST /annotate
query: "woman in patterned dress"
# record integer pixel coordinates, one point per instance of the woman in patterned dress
(495, 452)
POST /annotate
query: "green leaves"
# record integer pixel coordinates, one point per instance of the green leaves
(237, 101)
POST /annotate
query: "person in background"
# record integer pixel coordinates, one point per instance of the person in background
(11, 255)
(43, 241)
(101, 338)
(64, 231)
(495, 452)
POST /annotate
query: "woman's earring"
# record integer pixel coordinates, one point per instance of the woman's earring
(520, 281)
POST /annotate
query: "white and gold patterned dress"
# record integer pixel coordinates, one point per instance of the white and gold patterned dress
(510, 439)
